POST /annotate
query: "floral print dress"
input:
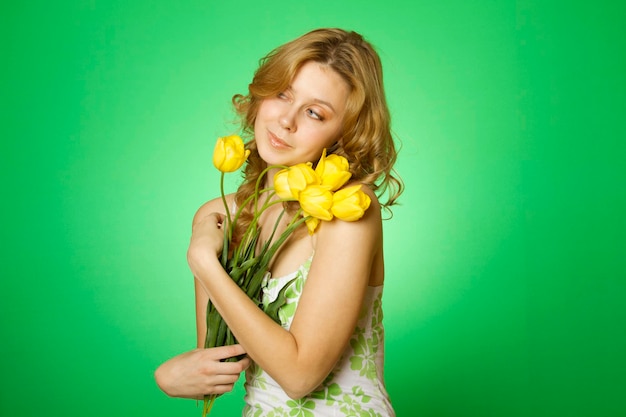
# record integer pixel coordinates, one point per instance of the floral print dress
(354, 387)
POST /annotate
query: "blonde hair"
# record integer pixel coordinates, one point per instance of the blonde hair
(366, 140)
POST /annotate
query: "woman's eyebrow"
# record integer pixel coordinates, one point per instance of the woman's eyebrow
(326, 103)
(316, 100)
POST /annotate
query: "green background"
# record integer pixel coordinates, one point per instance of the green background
(506, 271)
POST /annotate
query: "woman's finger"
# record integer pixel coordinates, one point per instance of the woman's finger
(225, 352)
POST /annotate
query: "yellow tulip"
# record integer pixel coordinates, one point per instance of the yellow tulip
(311, 223)
(316, 201)
(281, 185)
(289, 182)
(350, 203)
(230, 153)
(333, 170)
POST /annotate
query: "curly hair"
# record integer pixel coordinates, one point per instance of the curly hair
(366, 140)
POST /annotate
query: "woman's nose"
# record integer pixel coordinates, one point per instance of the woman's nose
(288, 120)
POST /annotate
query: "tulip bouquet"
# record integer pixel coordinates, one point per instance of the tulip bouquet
(321, 198)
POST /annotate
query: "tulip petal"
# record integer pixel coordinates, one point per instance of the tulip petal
(333, 170)
(289, 182)
(229, 153)
(317, 201)
(281, 185)
(311, 223)
(350, 204)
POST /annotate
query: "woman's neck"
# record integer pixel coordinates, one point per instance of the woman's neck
(269, 177)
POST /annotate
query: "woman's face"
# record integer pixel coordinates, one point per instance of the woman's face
(297, 124)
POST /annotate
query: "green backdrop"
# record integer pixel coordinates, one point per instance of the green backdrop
(506, 271)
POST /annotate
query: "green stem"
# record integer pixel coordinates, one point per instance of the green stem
(247, 201)
(243, 262)
(258, 180)
(252, 229)
(280, 216)
(295, 222)
(209, 400)
(251, 233)
(228, 226)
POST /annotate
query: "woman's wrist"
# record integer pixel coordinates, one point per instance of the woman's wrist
(204, 265)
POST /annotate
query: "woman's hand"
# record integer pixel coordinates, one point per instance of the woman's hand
(200, 372)
(207, 239)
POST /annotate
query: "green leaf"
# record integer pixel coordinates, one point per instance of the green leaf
(272, 309)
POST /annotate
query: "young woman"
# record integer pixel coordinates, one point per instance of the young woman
(323, 90)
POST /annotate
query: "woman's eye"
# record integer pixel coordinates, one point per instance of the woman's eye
(314, 114)
(282, 95)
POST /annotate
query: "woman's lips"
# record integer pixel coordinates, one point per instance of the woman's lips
(277, 142)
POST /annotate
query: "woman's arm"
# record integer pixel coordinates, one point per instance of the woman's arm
(202, 371)
(298, 359)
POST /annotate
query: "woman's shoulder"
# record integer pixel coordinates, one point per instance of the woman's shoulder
(367, 189)
(374, 206)
(215, 206)
(369, 223)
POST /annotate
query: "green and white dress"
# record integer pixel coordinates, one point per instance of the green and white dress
(355, 387)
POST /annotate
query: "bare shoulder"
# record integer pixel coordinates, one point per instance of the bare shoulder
(368, 229)
(354, 246)
(214, 206)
